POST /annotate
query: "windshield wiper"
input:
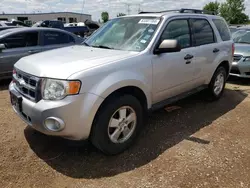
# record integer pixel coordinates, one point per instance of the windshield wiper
(86, 44)
(102, 46)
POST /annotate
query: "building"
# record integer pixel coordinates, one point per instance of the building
(66, 17)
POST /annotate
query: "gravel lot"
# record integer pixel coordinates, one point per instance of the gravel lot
(201, 144)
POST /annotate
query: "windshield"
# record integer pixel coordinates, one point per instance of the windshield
(126, 33)
(242, 36)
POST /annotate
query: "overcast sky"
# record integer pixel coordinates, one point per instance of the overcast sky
(95, 7)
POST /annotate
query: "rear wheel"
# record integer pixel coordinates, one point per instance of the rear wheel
(117, 124)
(217, 84)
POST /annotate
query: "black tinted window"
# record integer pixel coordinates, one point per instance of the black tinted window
(223, 29)
(202, 32)
(179, 30)
(71, 39)
(21, 40)
(54, 37)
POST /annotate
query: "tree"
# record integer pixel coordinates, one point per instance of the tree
(233, 12)
(121, 14)
(105, 17)
(212, 7)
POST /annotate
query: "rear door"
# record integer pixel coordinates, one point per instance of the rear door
(206, 48)
(17, 46)
(56, 39)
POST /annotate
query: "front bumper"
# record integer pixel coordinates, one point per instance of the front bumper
(240, 69)
(77, 113)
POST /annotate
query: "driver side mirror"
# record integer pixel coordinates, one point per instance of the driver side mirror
(168, 46)
(2, 47)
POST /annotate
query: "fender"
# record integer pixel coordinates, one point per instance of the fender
(120, 79)
(221, 58)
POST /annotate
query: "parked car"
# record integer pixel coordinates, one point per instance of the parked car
(6, 24)
(78, 30)
(12, 23)
(134, 64)
(233, 29)
(8, 27)
(19, 42)
(241, 63)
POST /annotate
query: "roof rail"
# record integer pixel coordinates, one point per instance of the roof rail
(183, 10)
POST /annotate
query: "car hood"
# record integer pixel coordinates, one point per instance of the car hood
(242, 49)
(63, 62)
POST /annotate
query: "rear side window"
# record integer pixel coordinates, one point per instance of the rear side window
(202, 32)
(223, 29)
(178, 30)
(21, 40)
(54, 37)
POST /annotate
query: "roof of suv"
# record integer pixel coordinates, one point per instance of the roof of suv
(169, 13)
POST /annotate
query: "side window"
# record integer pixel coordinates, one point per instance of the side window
(21, 40)
(202, 32)
(55, 37)
(178, 30)
(223, 29)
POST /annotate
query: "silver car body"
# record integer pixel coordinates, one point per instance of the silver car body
(104, 71)
(241, 62)
(9, 56)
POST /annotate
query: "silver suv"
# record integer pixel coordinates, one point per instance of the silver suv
(103, 89)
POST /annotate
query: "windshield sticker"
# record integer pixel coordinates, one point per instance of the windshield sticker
(149, 21)
(143, 41)
(151, 30)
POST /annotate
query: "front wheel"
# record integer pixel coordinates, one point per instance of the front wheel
(217, 84)
(117, 124)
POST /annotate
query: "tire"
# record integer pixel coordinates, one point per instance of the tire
(102, 133)
(213, 93)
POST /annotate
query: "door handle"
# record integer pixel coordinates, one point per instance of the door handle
(216, 50)
(188, 57)
(33, 51)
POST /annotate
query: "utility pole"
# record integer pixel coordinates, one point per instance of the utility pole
(83, 3)
(139, 8)
(128, 7)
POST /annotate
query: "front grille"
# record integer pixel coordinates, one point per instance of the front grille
(28, 85)
(237, 58)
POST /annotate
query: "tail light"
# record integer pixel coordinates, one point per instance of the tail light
(14, 71)
(13, 74)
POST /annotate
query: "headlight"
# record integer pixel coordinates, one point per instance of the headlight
(58, 89)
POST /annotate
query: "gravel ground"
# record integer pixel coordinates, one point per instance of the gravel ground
(201, 144)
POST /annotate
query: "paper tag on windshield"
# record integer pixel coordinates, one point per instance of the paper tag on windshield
(149, 21)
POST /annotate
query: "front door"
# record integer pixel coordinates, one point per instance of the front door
(173, 72)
